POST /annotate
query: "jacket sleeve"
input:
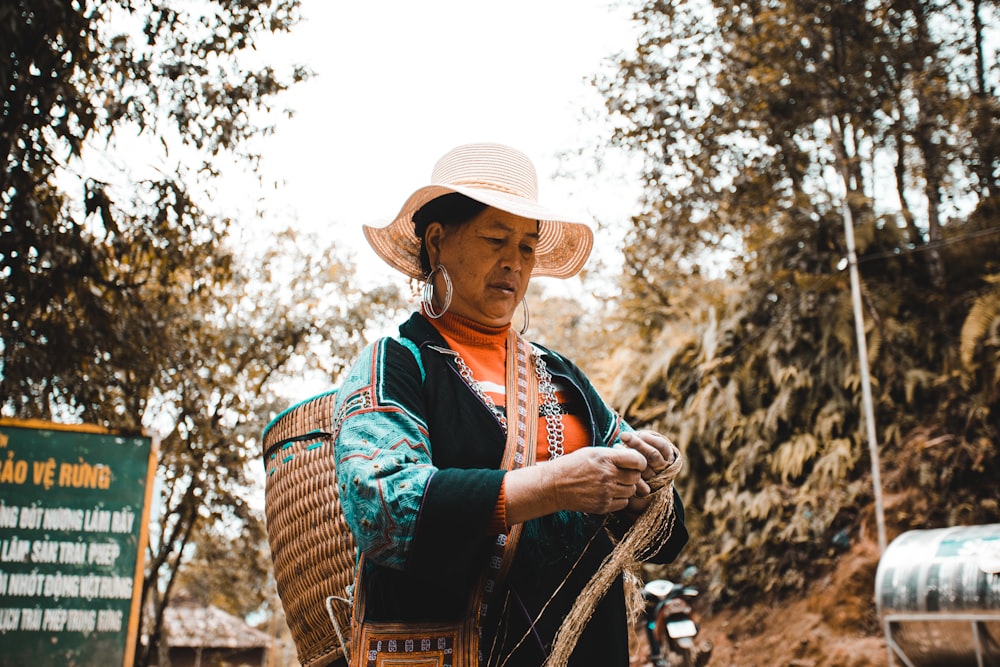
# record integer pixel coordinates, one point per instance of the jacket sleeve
(403, 511)
(383, 458)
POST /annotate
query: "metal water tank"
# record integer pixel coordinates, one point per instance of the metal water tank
(938, 595)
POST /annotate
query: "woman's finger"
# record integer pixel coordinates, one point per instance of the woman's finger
(656, 448)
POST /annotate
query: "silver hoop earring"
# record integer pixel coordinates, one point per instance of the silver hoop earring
(524, 307)
(428, 296)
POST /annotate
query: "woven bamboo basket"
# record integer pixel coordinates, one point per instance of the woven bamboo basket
(311, 545)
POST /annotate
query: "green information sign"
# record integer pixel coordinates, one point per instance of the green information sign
(74, 510)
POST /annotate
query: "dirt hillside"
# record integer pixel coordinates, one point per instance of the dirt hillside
(833, 625)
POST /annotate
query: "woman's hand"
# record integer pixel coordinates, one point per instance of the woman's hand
(596, 480)
(659, 453)
(657, 449)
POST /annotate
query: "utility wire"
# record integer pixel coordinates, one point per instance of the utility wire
(930, 245)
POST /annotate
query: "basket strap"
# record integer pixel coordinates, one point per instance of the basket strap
(522, 434)
(412, 347)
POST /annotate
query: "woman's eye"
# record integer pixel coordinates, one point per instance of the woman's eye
(528, 250)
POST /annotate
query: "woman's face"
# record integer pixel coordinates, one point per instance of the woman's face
(489, 260)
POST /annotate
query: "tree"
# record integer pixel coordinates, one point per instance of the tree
(239, 366)
(758, 122)
(731, 103)
(71, 81)
(125, 302)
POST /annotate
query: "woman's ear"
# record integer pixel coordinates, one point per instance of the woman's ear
(433, 236)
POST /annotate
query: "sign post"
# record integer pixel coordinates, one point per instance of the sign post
(74, 515)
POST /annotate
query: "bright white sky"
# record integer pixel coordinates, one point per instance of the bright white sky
(398, 83)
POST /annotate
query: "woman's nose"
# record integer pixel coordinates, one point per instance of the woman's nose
(511, 257)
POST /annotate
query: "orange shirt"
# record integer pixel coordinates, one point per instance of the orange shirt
(483, 348)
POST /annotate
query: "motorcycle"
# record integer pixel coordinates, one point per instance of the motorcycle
(670, 626)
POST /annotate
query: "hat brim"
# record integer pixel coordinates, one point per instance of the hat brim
(564, 242)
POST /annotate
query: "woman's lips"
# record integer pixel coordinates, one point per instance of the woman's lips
(505, 287)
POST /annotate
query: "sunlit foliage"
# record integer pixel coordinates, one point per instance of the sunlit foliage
(126, 301)
(761, 124)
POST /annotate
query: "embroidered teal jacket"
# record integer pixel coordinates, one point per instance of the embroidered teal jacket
(418, 454)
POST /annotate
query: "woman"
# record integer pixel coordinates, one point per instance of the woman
(431, 467)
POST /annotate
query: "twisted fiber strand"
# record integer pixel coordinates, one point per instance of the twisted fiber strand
(650, 530)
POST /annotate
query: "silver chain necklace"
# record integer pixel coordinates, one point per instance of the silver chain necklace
(549, 408)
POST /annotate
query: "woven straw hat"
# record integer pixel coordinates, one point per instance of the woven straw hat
(497, 176)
